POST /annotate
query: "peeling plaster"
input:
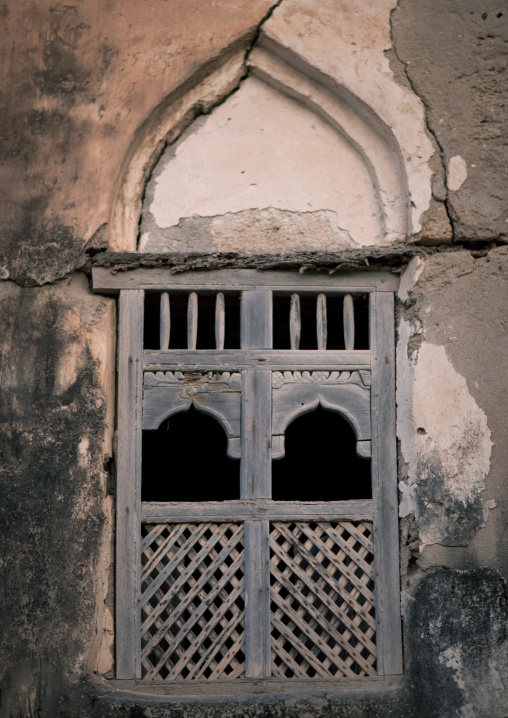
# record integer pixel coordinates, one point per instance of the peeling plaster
(457, 173)
(410, 277)
(445, 442)
(262, 150)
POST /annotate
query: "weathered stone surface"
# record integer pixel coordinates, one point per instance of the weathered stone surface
(56, 424)
(455, 58)
(77, 81)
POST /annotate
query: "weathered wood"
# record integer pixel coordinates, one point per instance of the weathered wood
(216, 511)
(256, 320)
(349, 400)
(349, 322)
(192, 321)
(159, 403)
(295, 322)
(319, 580)
(175, 690)
(107, 280)
(256, 465)
(321, 321)
(236, 360)
(257, 610)
(165, 321)
(128, 497)
(384, 484)
(220, 320)
(197, 572)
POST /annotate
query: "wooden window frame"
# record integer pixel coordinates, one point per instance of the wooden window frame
(133, 361)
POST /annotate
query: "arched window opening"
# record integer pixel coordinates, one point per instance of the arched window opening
(320, 462)
(185, 460)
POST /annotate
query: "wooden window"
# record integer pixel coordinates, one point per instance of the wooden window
(218, 577)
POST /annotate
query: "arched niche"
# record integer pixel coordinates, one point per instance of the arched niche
(373, 183)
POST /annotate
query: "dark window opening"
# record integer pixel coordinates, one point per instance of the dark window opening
(308, 330)
(321, 463)
(185, 460)
(178, 303)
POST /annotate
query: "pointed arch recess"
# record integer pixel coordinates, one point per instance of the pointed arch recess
(286, 73)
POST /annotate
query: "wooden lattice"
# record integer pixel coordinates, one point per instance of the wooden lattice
(322, 599)
(192, 602)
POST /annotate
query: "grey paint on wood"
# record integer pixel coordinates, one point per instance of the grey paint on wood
(256, 466)
(130, 379)
(257, 604)
(158, 512)
(384, 484)
(108, 281)
(256, 320)
(236, 360)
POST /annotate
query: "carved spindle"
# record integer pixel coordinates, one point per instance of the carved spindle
(220, 321)
(192, 321)
(165, 321)
(322, 325)
(349, 322)
(295, 323)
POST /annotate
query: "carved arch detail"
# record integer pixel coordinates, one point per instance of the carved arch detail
(350, 401)
(163, 402)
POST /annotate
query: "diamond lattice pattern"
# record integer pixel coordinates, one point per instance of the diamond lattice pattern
(322, 599)
(192, 603)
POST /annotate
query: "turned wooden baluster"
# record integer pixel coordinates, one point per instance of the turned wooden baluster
(295, 323)
(220, 321)
(349, 322)
(192, 321)
(165, 321)
(322, 325)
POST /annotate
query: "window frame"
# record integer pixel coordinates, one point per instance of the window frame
(133, 360)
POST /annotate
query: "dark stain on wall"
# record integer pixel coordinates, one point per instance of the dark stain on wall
(51, 519)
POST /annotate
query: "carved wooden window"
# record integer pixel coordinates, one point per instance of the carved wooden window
(226, 578)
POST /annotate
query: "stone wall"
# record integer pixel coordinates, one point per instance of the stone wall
(103, 106)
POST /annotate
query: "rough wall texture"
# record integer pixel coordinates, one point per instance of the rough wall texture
(78, 80)
(454, 56)
(78, 84)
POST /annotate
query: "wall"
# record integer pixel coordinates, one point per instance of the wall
(95, 99)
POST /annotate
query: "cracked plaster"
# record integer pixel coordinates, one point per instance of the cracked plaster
(262, 150)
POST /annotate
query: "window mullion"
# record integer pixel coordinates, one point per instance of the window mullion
(255, 479)
(257, 600)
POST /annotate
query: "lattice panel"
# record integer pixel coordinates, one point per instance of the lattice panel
(192, 604)
(322, 599)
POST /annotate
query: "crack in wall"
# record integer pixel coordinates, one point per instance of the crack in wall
(429, 129)
(201, 112)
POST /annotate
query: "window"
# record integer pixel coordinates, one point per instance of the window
(256, 501)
